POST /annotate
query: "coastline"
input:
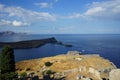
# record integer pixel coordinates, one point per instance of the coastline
(33, 43)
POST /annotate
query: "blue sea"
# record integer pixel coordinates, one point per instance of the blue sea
(106, 45)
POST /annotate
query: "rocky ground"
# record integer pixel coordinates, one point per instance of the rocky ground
(70, 66)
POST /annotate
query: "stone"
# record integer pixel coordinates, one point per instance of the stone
(74, 53)
(95, 72)
(114, 74)
(78, 77)
(79, 59)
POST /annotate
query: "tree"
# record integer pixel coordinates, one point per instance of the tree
(7, 62)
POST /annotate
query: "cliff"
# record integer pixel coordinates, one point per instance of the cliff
(29, 43)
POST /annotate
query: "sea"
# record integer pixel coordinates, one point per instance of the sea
(106, 45)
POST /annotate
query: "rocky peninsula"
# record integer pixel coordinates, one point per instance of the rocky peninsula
(33, 43)
(70, 66)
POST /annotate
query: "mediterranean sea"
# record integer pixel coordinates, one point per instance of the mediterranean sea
(106, 45)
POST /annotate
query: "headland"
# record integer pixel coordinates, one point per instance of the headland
(70, 66)
(33, 43)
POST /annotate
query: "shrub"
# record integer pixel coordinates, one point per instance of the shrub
(104, 79)
(49, 72)
(48, 64)
(20, 69)
(23, 75)
(16, 69)
(8, 76)
(27, 69)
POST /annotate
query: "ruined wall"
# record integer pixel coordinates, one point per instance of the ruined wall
(94, 72)
(114, 74)
(84, 69)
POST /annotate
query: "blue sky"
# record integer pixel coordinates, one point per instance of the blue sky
(60, 16)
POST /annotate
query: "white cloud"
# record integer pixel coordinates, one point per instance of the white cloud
(5, 22)
(18, 23)
(26, 15)
(13, 23)
(44, 5)
(94, 11)
(107, 10)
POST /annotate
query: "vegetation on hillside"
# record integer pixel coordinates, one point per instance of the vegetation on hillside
(7, 64)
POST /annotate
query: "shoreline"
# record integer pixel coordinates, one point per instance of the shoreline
(33, 43)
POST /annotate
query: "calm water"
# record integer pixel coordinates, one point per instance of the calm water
(107, 46)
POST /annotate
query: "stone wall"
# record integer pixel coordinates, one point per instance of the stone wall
(114, 74)
(91, 70)
(95, 72)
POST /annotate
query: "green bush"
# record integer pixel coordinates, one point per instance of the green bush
(27, 69)
(49, 72)
(23, 75)
(48, 64)
(9, 76)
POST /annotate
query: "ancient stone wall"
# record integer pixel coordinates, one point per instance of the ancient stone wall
(114, 74)
(95, 72)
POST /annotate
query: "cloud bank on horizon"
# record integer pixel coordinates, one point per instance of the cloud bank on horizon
(61, 16)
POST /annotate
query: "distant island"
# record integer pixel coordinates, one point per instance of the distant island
(10, 33)
(33, 43)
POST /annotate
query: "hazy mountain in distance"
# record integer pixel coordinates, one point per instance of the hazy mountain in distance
(11, 33)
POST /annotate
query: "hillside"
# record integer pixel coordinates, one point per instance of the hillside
(68, 66)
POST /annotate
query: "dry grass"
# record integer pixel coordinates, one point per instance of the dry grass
(64, 62)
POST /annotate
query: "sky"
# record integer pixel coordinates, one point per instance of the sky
(60, 16)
